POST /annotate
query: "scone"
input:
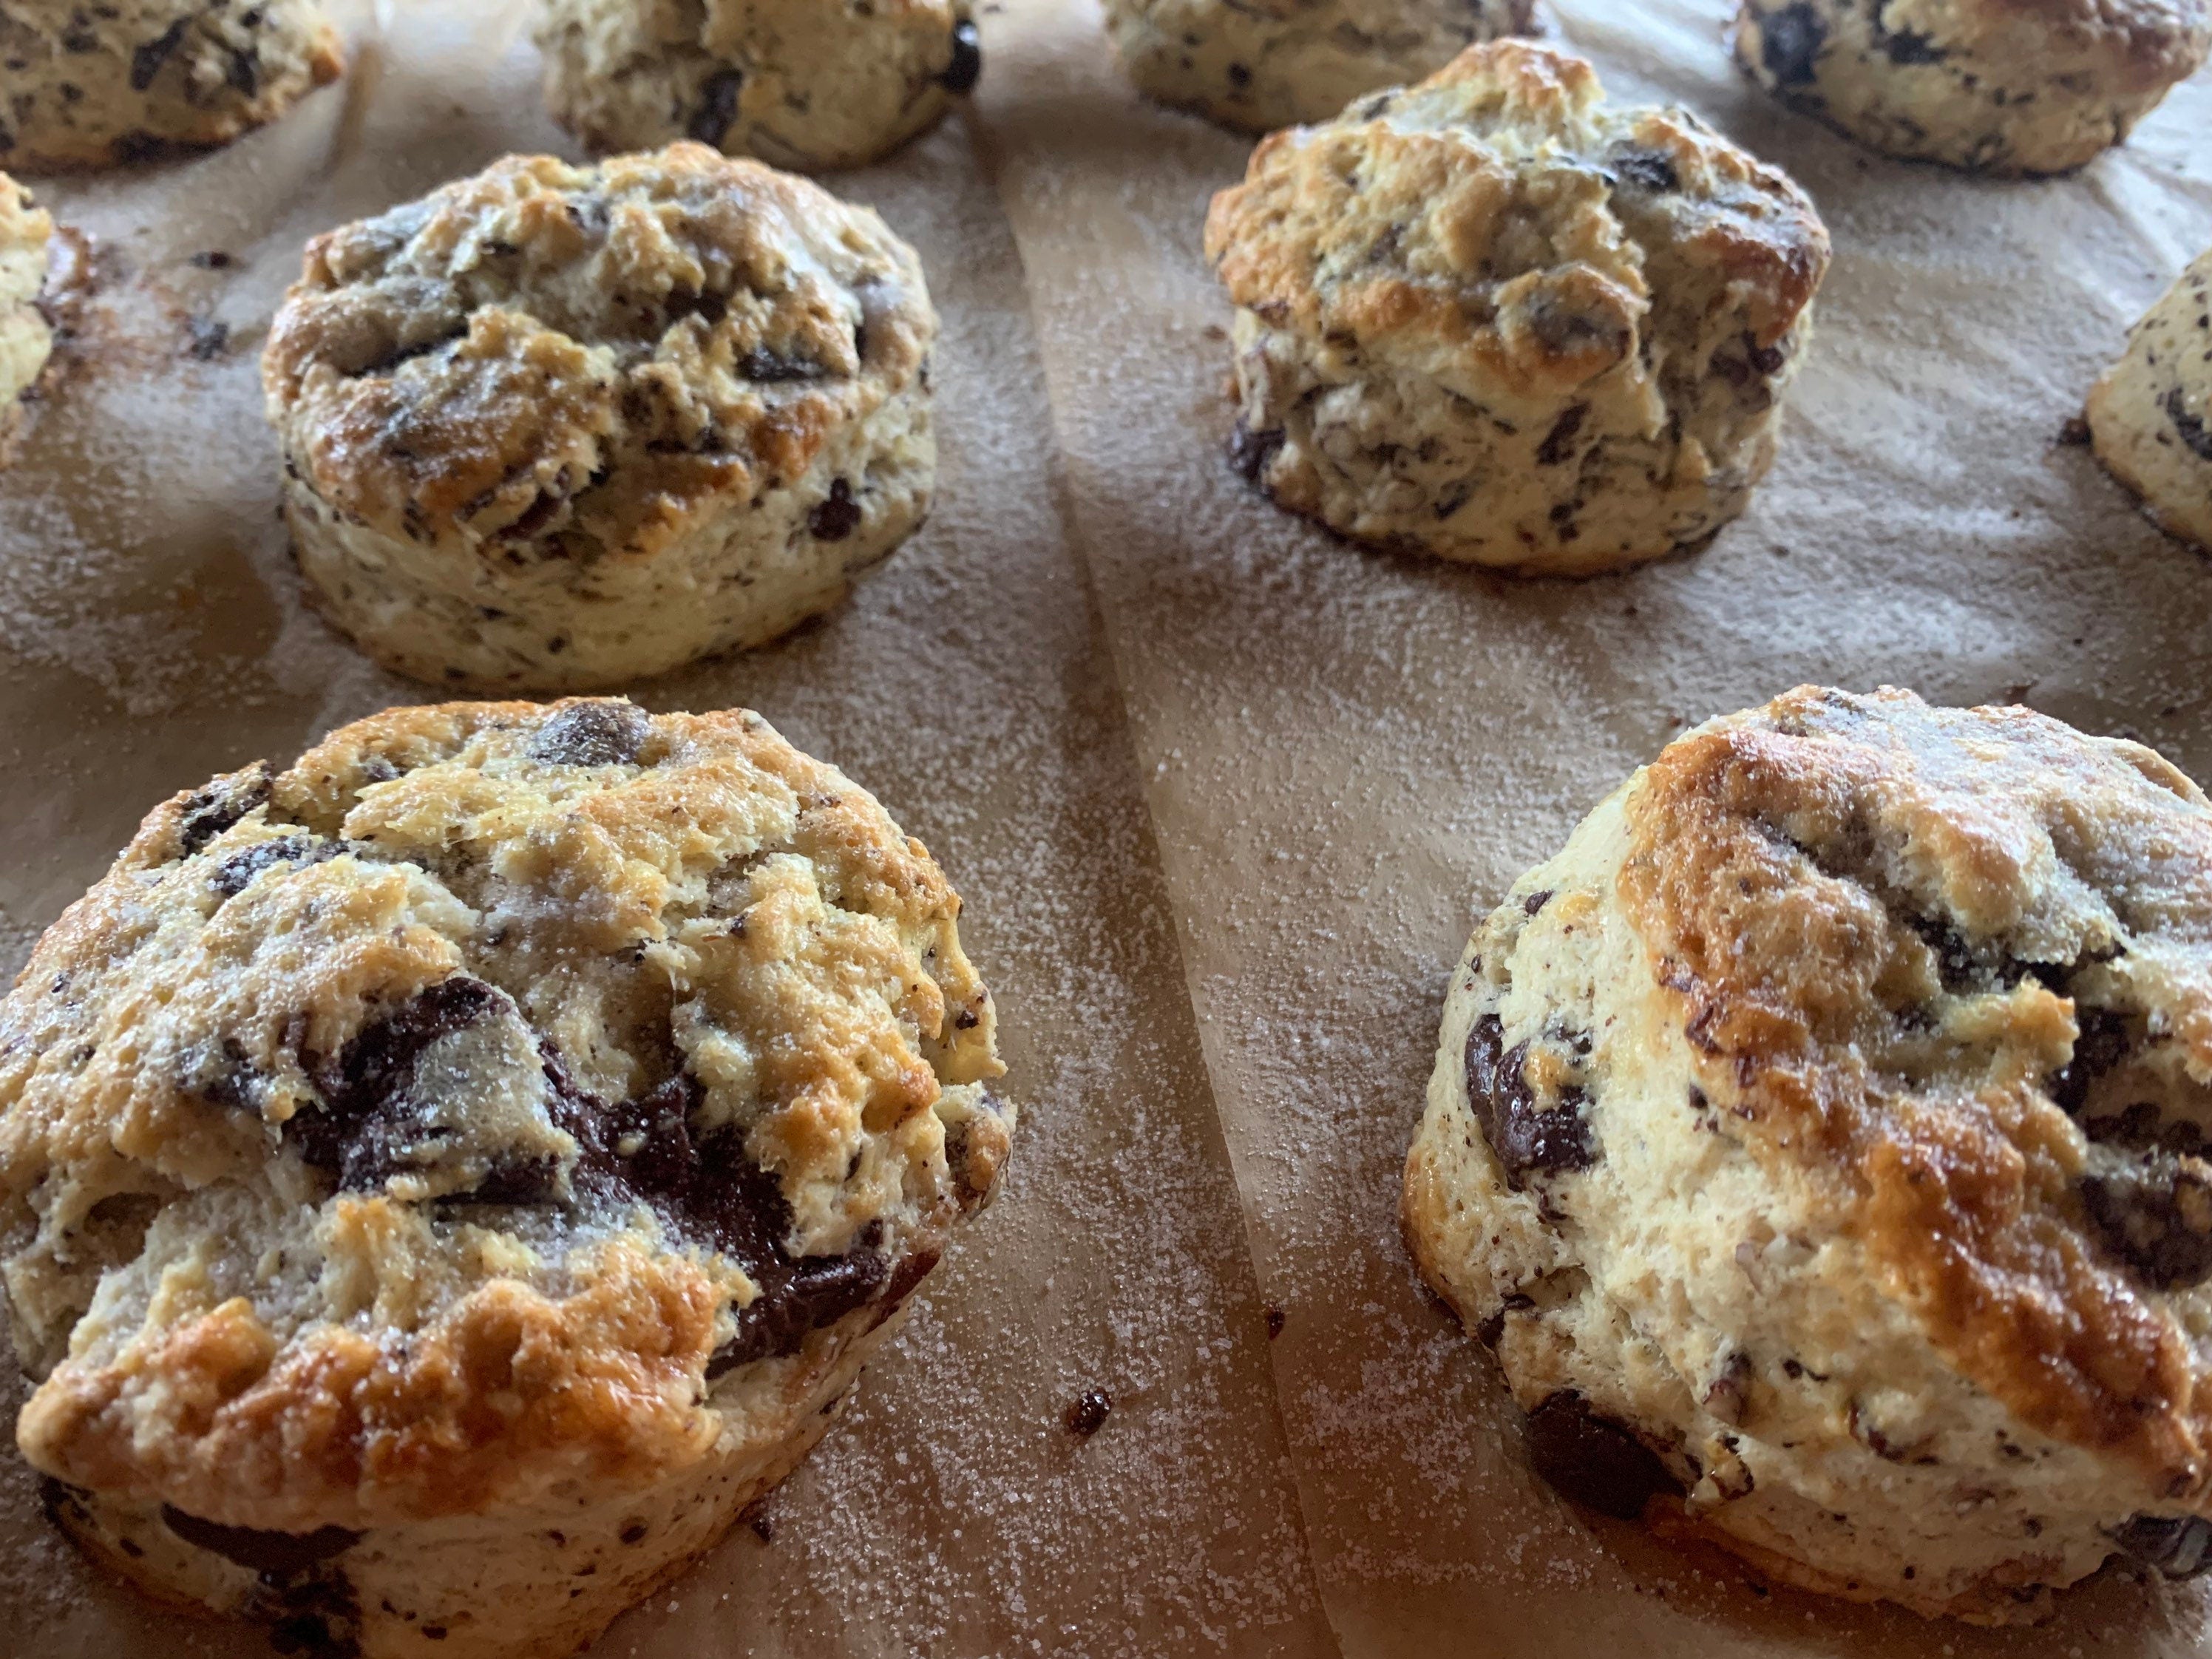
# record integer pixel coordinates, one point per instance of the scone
(2150, 416)
(812, 84)
(443, 1181)
(91, 86)
(1254, 65)
(26, 340)
(1490, 319)
(1820, 1141)
(2006, 86)
(556, 428)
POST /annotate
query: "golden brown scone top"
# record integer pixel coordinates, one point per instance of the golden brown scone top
(599, 354)
(1497, 226)
(2133, 45)
(1952, 971)
(430, 1123)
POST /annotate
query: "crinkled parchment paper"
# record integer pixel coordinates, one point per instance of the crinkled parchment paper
(1224, 797)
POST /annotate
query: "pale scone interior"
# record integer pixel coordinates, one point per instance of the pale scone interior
(26, 337)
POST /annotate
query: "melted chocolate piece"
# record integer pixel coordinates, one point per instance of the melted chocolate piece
(210, 811)
(771, 367)
(967, 65)
(1526, 1137)
(604, 733)
(2157, 1216)
(718, 107)
(367, 1118)
(1790, 42)
(236, 872)
(1086, 1413)
(1592, 1460)
(2100, 1044)
(1251, 452)
(1647, 170)
(2189, 428)
(278, 1554)
(833, 520)
(2180, 1546)
(1904, 46)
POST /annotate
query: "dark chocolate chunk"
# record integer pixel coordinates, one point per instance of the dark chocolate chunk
(236, 872)
(770, 368)
(2157, 1216)
(2178, 1546)
(966, 68)
(1251, 452)
(279, 1554)
(717, 106)
(368, 1119)
(1592, 1460)
(1904, 46)
(708, 307)
(1558, 442)
(1647, 170)
(146, 61)
(833, 520)
(1536, 901)
(606, 732)
(1086, 1413)
(1526, 1137)
(208, 812)
(245, 71)
(2100, 1044)
(2191, 428)
(1790, 44)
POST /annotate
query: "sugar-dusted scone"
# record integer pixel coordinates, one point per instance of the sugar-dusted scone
(441, 1182)
(26, 340)
(2150, 416)
(556, 428)
(811, 84)
(92, 86)
(1255, 65)
(1492, 318)
(2006, 86)
(1820, 1141)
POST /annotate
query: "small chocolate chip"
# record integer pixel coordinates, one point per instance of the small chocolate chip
(2156, 1214)
(634, 1532)
(770, 369)
(1905, 47)
(966, 68)
(2101, 1043)
(1790, 44)
(2180, 1546)
(245, 73)
(214, 259)
(1536, 901)
(1251, 452)
(1593, 1460)
(717, 106)
(1276, 1319)
(1086, 1413)
(146, 61)
(1558, 442)
(1647, 170)
(236, 872)
(602, 731)
(2076, 433)
(208, 812)
(280, 1554)
(2190, 426)
(833, 520)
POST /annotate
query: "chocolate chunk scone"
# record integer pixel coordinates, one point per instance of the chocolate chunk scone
(91, 86)
(1491, 318)
(2008, 87)
(1820, 1141)
(443, 1181)
(811, 84)
(26, 340)
(1254, 65)
(2150, 416)
(556, 428)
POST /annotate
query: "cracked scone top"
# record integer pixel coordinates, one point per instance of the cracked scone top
(26, 339)
(1820, 1141)
(558, 427)
(1255, 65)
(2006, 86)
(812, 84)
(2150, 415)
(88, 86)
(465, 1167)
(1492, 318)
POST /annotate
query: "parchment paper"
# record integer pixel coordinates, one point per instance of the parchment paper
(150, 634)
(1349, 755)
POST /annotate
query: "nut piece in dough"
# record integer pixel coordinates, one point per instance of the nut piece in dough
(2013, 88)
(1254, 65)
(1492, 318)
(442, 1182)
(26, 339)
(2150, 416)
(559, 427)
(94, 86)
(810, 84)
(1820, 1140)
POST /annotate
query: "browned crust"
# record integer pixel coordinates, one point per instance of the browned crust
(1961, 1188)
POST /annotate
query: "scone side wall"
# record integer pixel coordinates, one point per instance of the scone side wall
(1254, 70)
(1417, 374)
(558, 427)
(124, 85)
(1803, 967)
(1987, 86)
(575, 1083)
(816, 86)
(2151, 414)
(26, 339)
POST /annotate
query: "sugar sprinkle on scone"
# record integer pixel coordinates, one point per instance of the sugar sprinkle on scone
(2150, 416)
(1254, 65)
(559, 427)
(1820, 1140)
(1493, 319)
(26, 339)
(811, 84)
(2015, 87)
(442, 1181)
(92, 86)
